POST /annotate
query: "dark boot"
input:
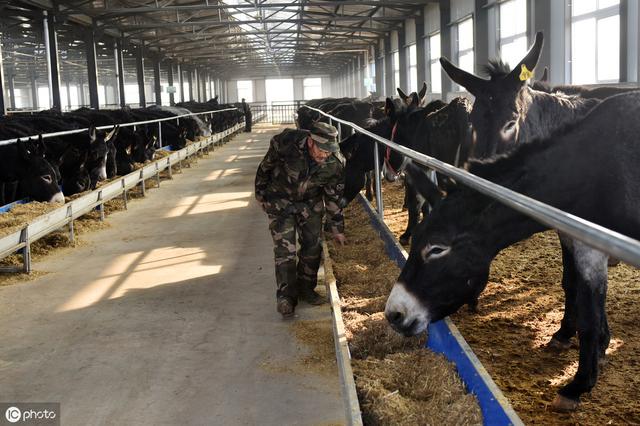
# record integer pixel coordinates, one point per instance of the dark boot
(312, 297)
(285, 306)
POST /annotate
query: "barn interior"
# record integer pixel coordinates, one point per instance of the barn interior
(155, 304)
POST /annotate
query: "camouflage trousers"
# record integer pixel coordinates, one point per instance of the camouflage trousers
(296, 270)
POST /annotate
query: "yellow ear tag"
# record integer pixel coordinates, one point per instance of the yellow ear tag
(525, 74)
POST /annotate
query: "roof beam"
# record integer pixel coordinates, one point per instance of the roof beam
(226, 22)
(101, 13)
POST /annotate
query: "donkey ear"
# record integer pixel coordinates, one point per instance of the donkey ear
(112, 134)
(423, 91)
(402, 95)
(465, 79)
(524, 70)
(92, 134)
(545, 75)
(23, 152)
(389, 108)
(41, 148)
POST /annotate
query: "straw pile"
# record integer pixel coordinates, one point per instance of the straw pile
(20, 215)
(398, 382)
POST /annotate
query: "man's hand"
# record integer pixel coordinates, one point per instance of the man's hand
(340, 238)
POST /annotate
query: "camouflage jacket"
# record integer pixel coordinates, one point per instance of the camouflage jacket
(288, 172)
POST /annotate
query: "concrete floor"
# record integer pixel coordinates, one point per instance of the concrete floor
(168, 316)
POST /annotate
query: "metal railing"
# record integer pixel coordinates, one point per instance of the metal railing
(599, 237)
(110, 126)
(277, 112)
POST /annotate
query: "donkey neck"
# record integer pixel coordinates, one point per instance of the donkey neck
(542, 114)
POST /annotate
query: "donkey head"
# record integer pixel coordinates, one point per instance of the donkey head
(497, 107)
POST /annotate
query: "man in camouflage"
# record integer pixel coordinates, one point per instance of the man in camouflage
(301, 175)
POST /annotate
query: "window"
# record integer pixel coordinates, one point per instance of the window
(396, 71)
(464, 45)
(312, 88)
(413, 68)
(245, 90)
(279, 90)
(434, 63)
(595, 41)
(513, 31)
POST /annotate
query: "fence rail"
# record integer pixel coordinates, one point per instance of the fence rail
(599, 237)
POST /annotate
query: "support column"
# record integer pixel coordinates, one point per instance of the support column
(120, 72)
(140, 72)
(379, 70)
(12, 91)
(402, 54)
(388, 68)
(172, 98)
(421, 60)
(445, 43)
(181, 83)
(190, 84)
(3, 107)
(481, 35)
(92, 68)
(51, 46)
(542, 22)
(34, 90)
(624, 30)
(157, 87)
(361, 89)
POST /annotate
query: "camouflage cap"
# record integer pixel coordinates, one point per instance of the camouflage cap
(325, 137)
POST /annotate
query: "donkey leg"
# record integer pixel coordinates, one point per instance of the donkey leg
(561, 339)
(368, 185)
(414, 213)
(591, 268)
(605, 335)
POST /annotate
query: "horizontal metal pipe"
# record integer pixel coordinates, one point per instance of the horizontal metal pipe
(599, 237)
(110, 126)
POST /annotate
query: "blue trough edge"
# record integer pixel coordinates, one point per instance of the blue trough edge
(9, 206)
(445, 338)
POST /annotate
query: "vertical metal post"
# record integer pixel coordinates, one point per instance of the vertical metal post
(190, 84)
(402, 57)
(68, 90)
(376, 161)
(124, 194)
(92, 67)
(101, 206)
(159, 145)
(72, 237)
(12, 91)
(445, 43)
(34, 91)
(120, 72)
(157, 87)
(181, 83)
(140, 72)
(420, 52)
(26, 251)
(172, 100)
(51, 46)
(339, 131)
(3, 106)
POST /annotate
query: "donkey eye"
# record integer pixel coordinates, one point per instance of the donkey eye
(434, 252)
(510, 125)
(47, 178)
